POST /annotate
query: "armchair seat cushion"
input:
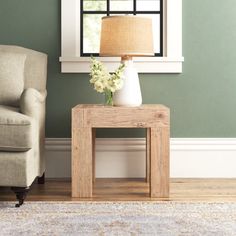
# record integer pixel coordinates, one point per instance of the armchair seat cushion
(16, 130)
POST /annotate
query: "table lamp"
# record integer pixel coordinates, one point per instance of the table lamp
(127, 36)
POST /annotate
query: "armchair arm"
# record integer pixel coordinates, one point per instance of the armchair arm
(31, 102)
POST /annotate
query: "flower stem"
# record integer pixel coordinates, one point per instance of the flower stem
(109, 98)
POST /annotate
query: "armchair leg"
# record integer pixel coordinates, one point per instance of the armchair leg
(21, 193)
(41, 180)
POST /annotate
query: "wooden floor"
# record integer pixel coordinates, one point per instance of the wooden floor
(133, 190)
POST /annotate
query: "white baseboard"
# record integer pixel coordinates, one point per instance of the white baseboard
(125, 158)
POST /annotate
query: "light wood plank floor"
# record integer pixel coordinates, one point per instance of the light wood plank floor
(133, 190)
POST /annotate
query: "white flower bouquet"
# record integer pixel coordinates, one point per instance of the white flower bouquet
(103, 81)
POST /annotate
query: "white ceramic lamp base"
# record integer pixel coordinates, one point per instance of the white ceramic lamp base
(130, 93)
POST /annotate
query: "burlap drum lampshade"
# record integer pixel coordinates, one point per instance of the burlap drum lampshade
(126, 36)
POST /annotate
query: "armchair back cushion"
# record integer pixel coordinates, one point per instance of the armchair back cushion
(35, 66)
(12, 67)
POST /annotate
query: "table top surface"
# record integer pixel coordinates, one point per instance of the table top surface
(101, 106)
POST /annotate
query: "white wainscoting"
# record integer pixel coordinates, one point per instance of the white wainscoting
(123, 158)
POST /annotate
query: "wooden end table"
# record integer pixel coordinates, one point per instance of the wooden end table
(86, 118)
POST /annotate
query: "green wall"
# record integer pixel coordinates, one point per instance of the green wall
(202, 99)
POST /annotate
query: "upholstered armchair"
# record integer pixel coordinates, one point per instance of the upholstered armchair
(23, 74)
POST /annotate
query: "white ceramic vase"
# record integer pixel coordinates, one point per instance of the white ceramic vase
(130, 93)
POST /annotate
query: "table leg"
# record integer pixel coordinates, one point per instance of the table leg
(82, 172)
(159, 182)
(94, 153)
(147, 155)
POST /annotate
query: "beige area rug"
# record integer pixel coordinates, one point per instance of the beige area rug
(118, 218)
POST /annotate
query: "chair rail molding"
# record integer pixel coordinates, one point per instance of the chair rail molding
(171, 62)
(125, 157)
